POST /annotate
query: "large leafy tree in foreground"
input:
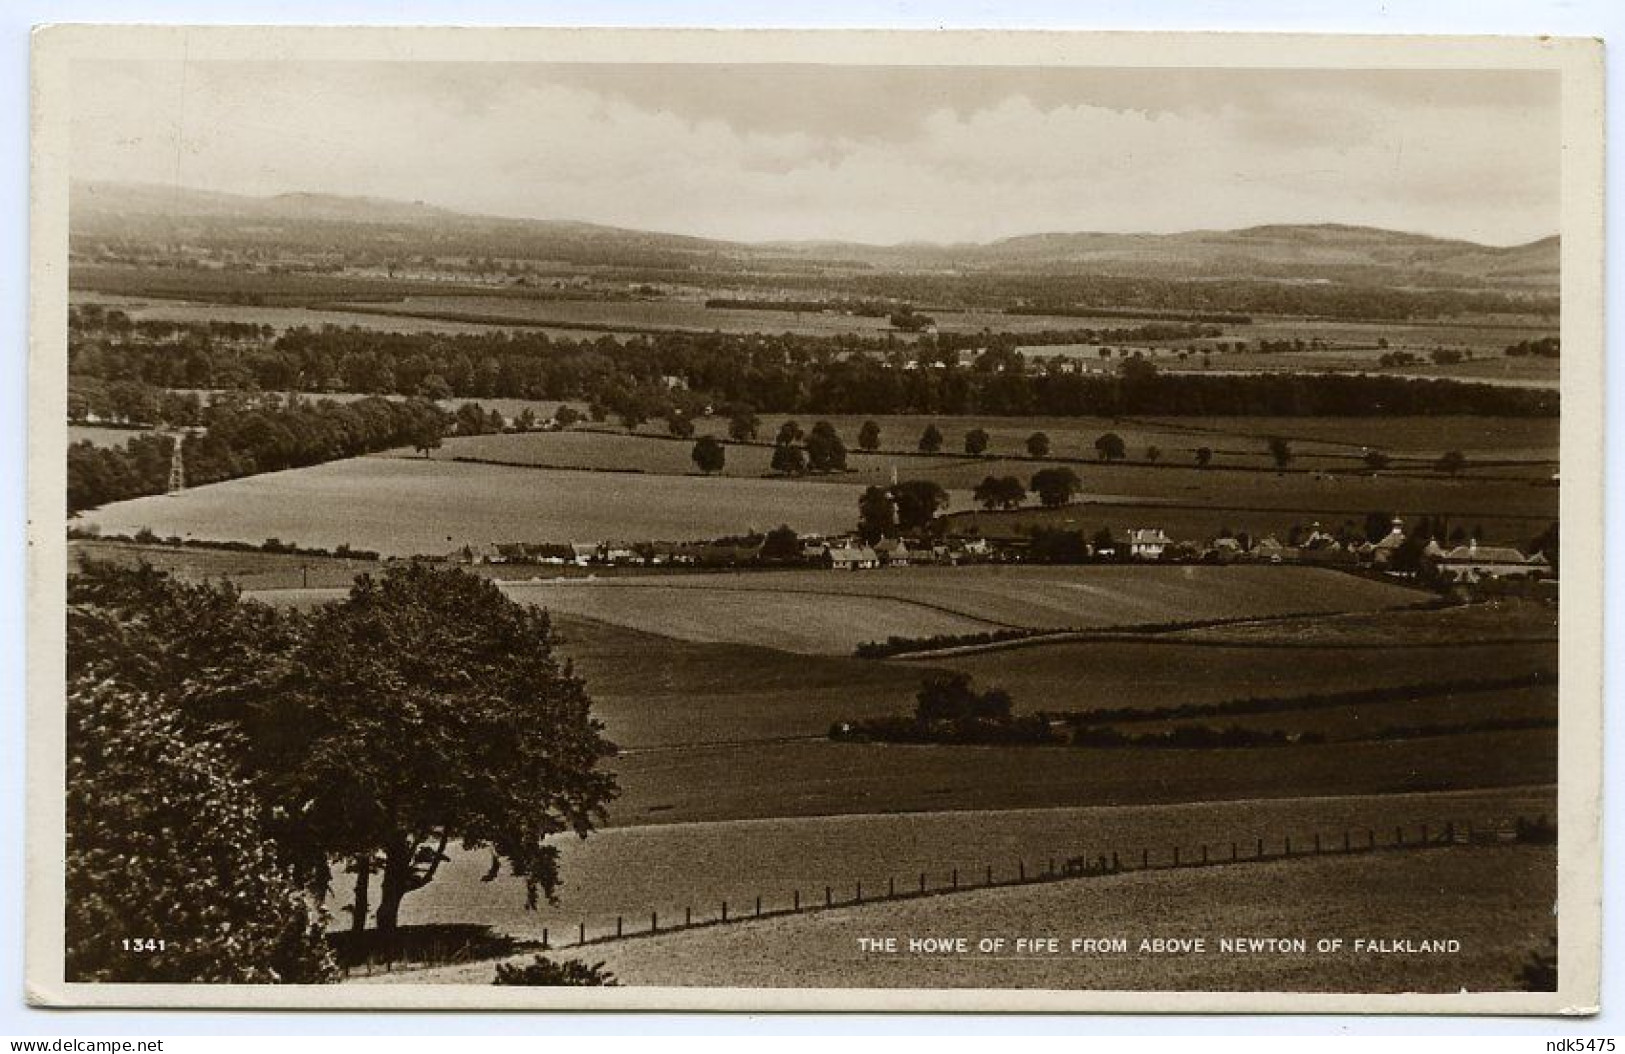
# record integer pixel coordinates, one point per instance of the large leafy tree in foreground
(435, 712)
(423, 710)
(170, 875)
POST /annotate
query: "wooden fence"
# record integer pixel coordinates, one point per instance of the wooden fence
(1082, 866)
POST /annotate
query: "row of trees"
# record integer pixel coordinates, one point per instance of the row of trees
(225, 757)
(248, 441)
(785, 373)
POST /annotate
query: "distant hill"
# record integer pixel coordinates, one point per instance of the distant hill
(324, 222)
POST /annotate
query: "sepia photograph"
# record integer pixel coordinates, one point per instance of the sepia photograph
(815, 520)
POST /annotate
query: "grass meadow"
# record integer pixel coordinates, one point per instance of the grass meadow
(702, 864)
(1496, 901)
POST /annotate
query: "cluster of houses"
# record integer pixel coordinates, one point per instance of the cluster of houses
(1466, 564)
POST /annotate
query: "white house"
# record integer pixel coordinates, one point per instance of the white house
(1147, 543)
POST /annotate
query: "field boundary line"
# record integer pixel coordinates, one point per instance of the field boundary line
(1276, 847)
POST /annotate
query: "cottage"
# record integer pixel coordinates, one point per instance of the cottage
(1269, 550)
(852, 558)
(583, 553)
(892, 552)
(1382, 553)
(1475, 563)
(1147, 543)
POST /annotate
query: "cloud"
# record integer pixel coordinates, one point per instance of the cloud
(1005, 158)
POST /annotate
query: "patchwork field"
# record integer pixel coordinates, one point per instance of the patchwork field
(632, 871)
(401, 506)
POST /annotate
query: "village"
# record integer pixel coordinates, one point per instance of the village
(1399, 553)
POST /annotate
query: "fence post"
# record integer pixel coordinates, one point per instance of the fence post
(1145, 859)
(1232, 852)
(724, 911)
(1289, 845)
(581, 935)
(1052, 865)
(1370, 838)
(758, 905)
(891, 887)
(859, 896)
(1399, 835)
(829, 896)
(688, 915)
(1176, 856)
(1317, 841)
(1116, 864)
(654, 922)
(1424, 834)
(618, 926)
(544, 938)
(989, 881)
(1345, 841)
(955, 878)
(1021, 870)
(795, 904)
(1260, 853)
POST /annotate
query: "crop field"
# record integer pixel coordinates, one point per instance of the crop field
(702, 864)
(789, 620)
(818, 778)
(1365, 720)
(404, 506)
(142, 309)
(1318, 442)
(1495, 900)
(1107, 674)
(246, 570)
(620, 452)
(1487, 621)
(653, 691)
(101, 436)
(1195, 505)
(1497, 437)
(830, 613)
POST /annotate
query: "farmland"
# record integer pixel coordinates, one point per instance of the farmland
(100, 436)
(821, 778)
(736, 860)
(1495, 901)
(401, 506)
(1359, 698)
(832, 614)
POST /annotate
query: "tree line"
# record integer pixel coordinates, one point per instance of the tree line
(652, 375)
(245, 440)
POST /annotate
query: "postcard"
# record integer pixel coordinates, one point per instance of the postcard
(568, 519)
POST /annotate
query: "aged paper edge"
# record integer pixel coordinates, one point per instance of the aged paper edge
(1580, 63)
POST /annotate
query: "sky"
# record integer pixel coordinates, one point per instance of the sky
(869, 154)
